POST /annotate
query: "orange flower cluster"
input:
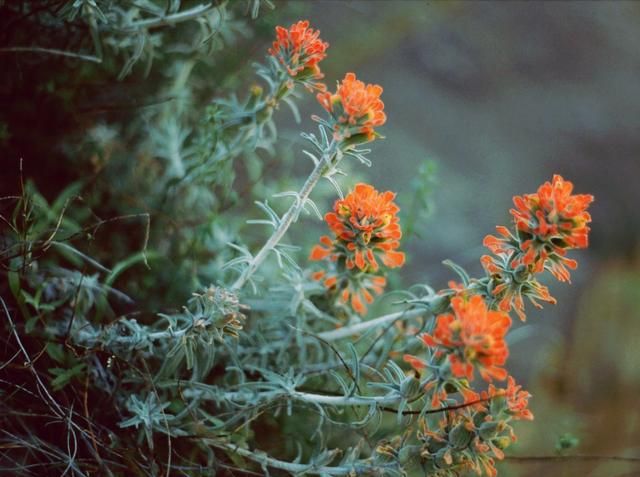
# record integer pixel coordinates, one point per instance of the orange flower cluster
(552, 221)
(355, 108)
(299, 49)
(363, 222)
(355, 290)
(548, 224)
(516, 399)
(365, 227)
(512, 280)
(470, 437)
(472, 337)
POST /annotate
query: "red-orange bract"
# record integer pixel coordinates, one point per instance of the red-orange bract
(365, 224)
(299, 49)
(549, 223)
(472, 337)
(355, 107)
(365, 228)
(553, 222)
(355, 290)
(516, 399)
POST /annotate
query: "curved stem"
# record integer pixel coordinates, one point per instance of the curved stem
(329, 159)
(50, 51)
(366, 325)
(172, 19)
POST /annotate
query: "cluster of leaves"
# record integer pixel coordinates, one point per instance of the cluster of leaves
(97, 350)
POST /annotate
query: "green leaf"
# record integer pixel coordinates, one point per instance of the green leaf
(30, 324)
(64, 376)
(464, 276)
(14, 283)
(68, 194)
(56, 352)
(129, 262)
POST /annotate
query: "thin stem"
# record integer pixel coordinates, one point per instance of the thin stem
(274, 394)
(329, 158)
(332, 335)
(263, 459)
(347, 331)
(172, 19)
(50, 51)
(44, 393)
(344, 400)
(54, 406)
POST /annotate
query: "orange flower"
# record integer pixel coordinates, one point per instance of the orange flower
(516, 399)
(299, 49)
(365, 225)
(511, 284)
(355, 108)
(550, 222)
(471, 337)
(415, 362)
(357, 291)
(365, 228)
(511, 295)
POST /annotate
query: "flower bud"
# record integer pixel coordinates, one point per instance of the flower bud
(502, 442)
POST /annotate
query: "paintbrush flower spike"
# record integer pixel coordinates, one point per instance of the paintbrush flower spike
(299, 50)
(355, 110)
(365, 230)
(472, 337)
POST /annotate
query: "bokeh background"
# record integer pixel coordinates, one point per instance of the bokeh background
(501, 95)
(488, 100)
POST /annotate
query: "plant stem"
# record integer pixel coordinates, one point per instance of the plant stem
(332, 335)
(253, 396)
(50, 51)
(263, 459)
(344, 400)
(330, 157)
(360, 327)
(172, 19)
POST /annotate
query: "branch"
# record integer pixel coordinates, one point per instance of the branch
(360, 327)
(329, 158)
(50, 51)
(174, 18)
(436, 411)
(263, 459)
(42, 389)
(274, 394)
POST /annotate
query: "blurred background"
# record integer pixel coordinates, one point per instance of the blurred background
(484, 100)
